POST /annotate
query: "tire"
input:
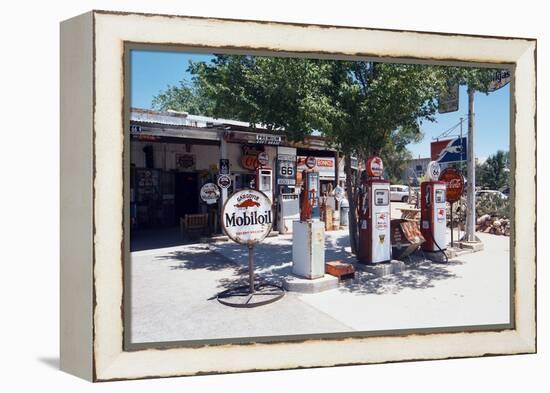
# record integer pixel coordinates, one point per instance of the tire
(405, 199)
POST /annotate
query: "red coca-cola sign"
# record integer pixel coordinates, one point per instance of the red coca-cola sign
(455, 183)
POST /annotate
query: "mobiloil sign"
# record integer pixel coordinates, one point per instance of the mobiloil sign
(247, 216)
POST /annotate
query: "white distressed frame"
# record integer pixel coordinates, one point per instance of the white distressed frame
(96, 351)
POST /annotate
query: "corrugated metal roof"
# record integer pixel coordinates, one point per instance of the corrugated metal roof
(182, 119)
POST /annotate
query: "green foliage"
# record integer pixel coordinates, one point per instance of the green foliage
(494, 173)
(278, 93)
(493, 205)
(184, 98)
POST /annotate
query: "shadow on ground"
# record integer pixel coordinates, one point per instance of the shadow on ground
(420, 275)
(151, 239)
(273, 262)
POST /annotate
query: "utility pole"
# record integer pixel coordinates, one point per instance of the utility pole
(470, 235)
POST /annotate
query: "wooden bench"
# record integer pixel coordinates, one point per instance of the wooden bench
(194, 224)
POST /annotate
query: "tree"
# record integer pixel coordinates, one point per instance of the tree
(494, 172)
(362, 108)
(185, 97)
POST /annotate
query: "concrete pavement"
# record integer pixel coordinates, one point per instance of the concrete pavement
(173, 292)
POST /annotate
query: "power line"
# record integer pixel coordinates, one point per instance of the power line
(449, 131)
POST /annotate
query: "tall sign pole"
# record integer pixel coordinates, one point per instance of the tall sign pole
(470, 235)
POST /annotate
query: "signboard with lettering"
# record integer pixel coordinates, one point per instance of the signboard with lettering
(268, 139)
(455, 183)
(500, 79)
(323, 165)
(249, 159)
(247, 216)
(286, 169)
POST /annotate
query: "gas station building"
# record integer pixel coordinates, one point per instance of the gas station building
(173, 154)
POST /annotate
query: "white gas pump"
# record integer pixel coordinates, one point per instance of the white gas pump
(264, 181)
(289, 210)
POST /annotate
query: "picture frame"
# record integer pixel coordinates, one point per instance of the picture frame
(93, 219)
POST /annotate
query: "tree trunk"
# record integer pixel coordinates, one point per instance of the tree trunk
(352, 215)
(336, 177)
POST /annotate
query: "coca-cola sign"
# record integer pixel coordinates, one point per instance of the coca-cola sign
(455, 183)
(247, 217)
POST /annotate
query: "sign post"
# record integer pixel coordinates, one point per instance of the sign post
(247, 218)
(455, 188)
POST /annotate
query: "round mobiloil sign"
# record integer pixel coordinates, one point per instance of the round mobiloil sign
(247, 217)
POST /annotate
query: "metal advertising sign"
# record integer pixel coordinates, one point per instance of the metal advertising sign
(338, 193)
(286, 169)
(185, 161)
(500, 79)
(224, 181)
(224, 166)
(449, 150)
(210, 193)
(249, 159)
(375, 167)
(247, 217)
(449, 102)
(455, 183)
(263, 158)
(433, 170)
(310, 162)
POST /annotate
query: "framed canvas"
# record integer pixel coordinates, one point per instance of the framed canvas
(130, 310)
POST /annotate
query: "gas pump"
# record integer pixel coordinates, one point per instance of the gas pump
(433, 212)
(308, 240)
(309, 197)
(374, 215)
(264, 181)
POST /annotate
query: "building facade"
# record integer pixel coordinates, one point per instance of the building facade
(173, 154)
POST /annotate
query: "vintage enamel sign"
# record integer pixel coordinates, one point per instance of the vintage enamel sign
(224, 181)
(311, 162)
(339, 193)
(455, 183)
(375, 167)
(433, 170)
(210, 193)
(247, 217)
(263, 158)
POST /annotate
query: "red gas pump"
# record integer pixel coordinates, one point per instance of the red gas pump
(433, 211)
(374, 215)
(309, 196)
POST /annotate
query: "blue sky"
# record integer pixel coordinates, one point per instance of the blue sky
(154, 71)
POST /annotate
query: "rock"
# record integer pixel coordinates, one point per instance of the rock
(483, 219)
